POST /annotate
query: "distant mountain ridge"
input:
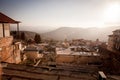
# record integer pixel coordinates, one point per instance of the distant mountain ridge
(70, 33)
(78, 33)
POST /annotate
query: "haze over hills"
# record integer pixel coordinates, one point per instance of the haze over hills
(38, 29)
(78, 33)
(70, 33)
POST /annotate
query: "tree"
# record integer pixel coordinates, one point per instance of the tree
(30, 41)
(23, 37)
(37, 38)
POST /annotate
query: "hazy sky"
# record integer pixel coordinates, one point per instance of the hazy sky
(66, 13)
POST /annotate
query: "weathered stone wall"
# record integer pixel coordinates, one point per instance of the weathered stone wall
(7, 54)
(64, 58)
(6, 41)
(7, 50)
(17, 56)
(77, 59)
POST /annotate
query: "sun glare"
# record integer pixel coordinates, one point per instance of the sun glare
(112, 13)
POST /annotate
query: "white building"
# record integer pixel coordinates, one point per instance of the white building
(32, 53)
(114, 41)
(75, 55)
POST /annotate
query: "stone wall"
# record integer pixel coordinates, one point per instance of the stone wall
(7, 54)
(6, 41)
(7, 50)
(78, 59)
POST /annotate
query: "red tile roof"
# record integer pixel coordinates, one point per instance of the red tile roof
(6, 19)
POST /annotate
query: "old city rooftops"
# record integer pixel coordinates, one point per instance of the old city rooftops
(31, 48)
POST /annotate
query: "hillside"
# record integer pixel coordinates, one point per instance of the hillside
(28, 34)
(76, 33)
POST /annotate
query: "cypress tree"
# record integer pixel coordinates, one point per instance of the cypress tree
(37, 38)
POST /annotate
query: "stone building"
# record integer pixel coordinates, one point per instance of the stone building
(32, 53)
(7, 49)
(77, 55)
(114, 41)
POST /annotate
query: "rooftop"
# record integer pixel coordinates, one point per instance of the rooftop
(22, 72)
(6, 19)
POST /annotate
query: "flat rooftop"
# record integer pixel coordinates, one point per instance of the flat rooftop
(60, 72)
